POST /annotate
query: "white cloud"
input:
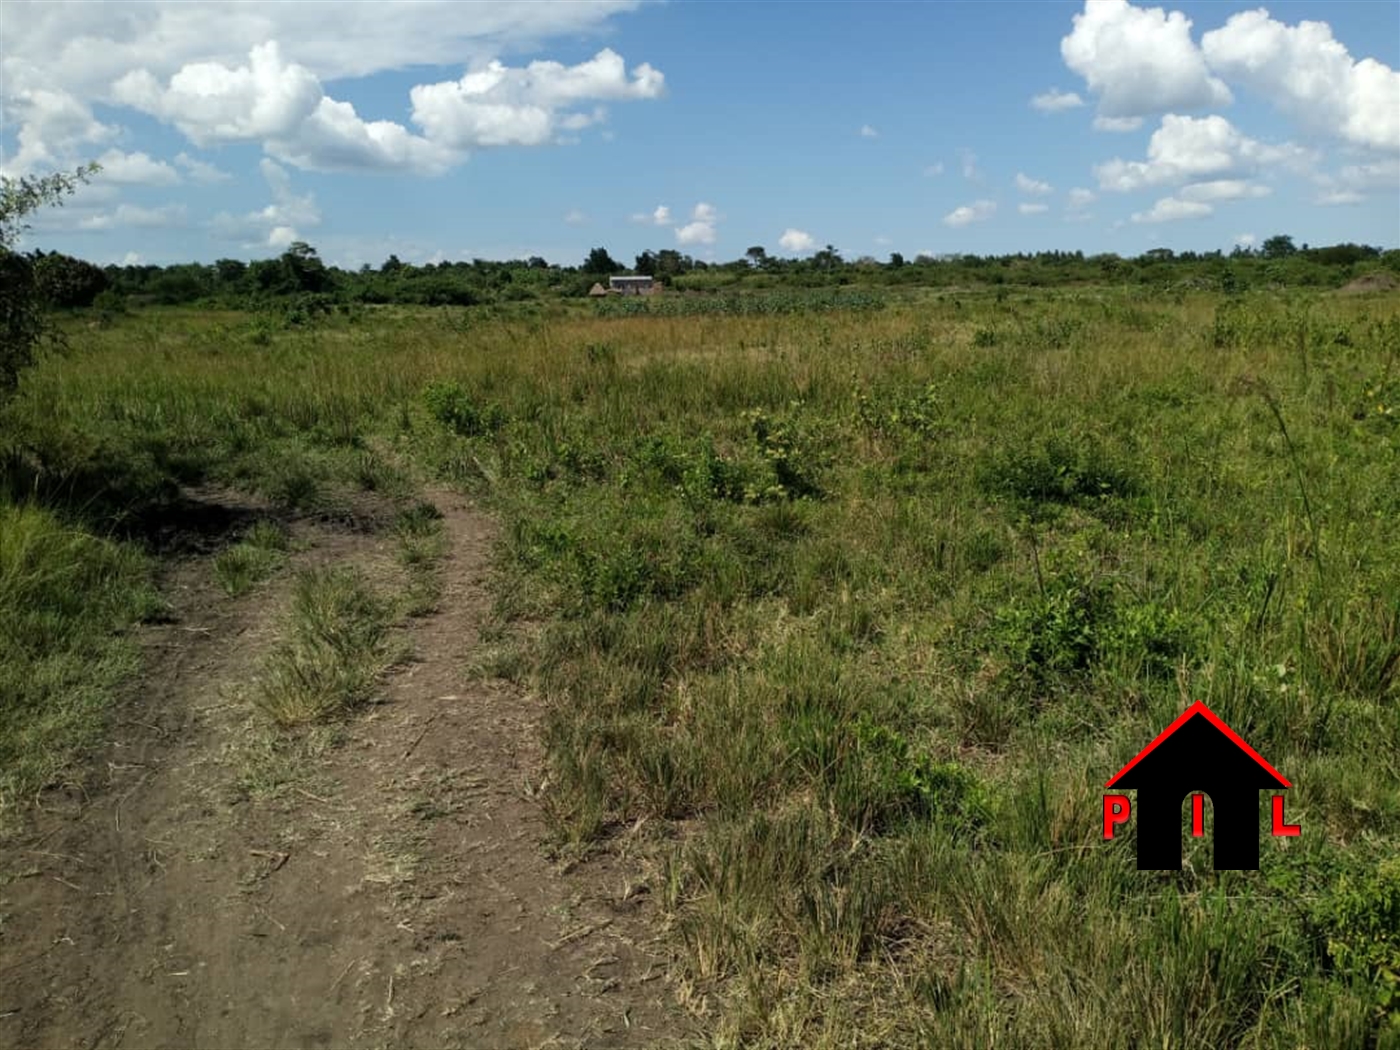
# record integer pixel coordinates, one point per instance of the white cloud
(1341, 197)
(1223, 190)
(934, 169)
(134, 215)
(277, 224)
(1032, 209)
(696, 233)
(660, 217)
(1034, 187)
(132, 259)
(1311, 76)
(797, 241)
(867, 132)
(882, 241)
(1140, 61)
(200, 171)
(136, 169)
(500, 105)
(52, 124)
(702, 227)
(254, 72)
(575, 217)
(968, 160)
(977, 211)
(164, 35)
(1190, 148)
(1056, 101)
(1117, 124)
(1173, 209)
(1246, 240)
(1081, 198)
(1355, 182)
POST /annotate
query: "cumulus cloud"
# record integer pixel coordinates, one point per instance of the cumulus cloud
(1340, 197)
(1186, 149)
(797, 241)
(499, 105)
(575, 217)
(977, 211)
(1311, 76)
(199, 170)
(1173, 209)
(1140, 61)
(277, 224)
(867, 132)
(136, 169)
(661, 216)
(52, 124)
(1246, 240)
(1081, 198)
(702, 227)
(1032, 209)
(254, 72)
(134, 215)
(968, 160)
(934, 169)
(1223, 190)
(1117, 124)
(1034, 187)
(1355, 182)
(1056, 101)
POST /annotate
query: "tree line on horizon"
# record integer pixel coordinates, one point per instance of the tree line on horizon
(69, 282)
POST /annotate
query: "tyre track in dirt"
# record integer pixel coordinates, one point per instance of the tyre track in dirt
(396, 895)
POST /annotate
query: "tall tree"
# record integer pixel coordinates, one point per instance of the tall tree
(23, 324)
(599, 261)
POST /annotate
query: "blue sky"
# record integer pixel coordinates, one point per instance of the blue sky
(450, 130)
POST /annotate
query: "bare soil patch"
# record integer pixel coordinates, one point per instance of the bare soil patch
(215, 884)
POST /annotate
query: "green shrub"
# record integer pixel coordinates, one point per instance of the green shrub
(455, 409)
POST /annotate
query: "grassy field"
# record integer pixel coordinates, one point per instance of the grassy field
(851, 611)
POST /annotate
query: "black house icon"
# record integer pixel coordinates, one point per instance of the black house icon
(1198, 753)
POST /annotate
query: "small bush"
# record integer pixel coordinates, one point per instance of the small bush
(454, 408)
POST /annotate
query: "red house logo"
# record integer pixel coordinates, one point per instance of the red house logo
(1196, 755)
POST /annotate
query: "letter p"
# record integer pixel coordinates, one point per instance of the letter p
(1116, 810)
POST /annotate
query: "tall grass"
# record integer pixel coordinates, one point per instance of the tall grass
(66, 598)
(864, 607)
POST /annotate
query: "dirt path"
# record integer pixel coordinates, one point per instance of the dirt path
(396, 895)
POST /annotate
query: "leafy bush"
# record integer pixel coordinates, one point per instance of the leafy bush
(454, 408)
(1361, 921)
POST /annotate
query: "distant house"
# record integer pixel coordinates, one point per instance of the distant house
(631, 285)
(597, 291)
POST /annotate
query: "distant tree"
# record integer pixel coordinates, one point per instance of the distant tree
(230, 273)
(826, 259)
(599, 261)
(671, 263)
(303, 269)
(537, 262)
(66, 282)
(24, 328)
(646, 264)
(391, 265)
(757, 256)
(896, 260)
(1279, 246)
